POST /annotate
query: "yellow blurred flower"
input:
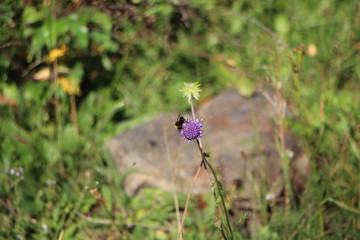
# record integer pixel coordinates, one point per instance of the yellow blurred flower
(68, 87)
(56, 53)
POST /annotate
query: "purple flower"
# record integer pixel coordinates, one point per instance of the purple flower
(192, 129)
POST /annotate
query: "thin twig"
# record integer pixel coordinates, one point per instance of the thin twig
(187, 202)
(31, 67)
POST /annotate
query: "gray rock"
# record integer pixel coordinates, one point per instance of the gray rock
(239, 135)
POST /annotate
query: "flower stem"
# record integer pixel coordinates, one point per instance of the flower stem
(192, 106)
(218, 186)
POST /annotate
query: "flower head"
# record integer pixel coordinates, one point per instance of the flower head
(191, 90)
(68, 86)
(56, 53)
(192, 129)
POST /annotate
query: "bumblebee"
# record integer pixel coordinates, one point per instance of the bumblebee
(179, 122)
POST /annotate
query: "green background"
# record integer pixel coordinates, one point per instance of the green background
(129, 59)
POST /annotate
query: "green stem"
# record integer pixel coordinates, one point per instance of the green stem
(218, 186)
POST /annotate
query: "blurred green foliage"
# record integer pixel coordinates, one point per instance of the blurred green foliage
(129, 60)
